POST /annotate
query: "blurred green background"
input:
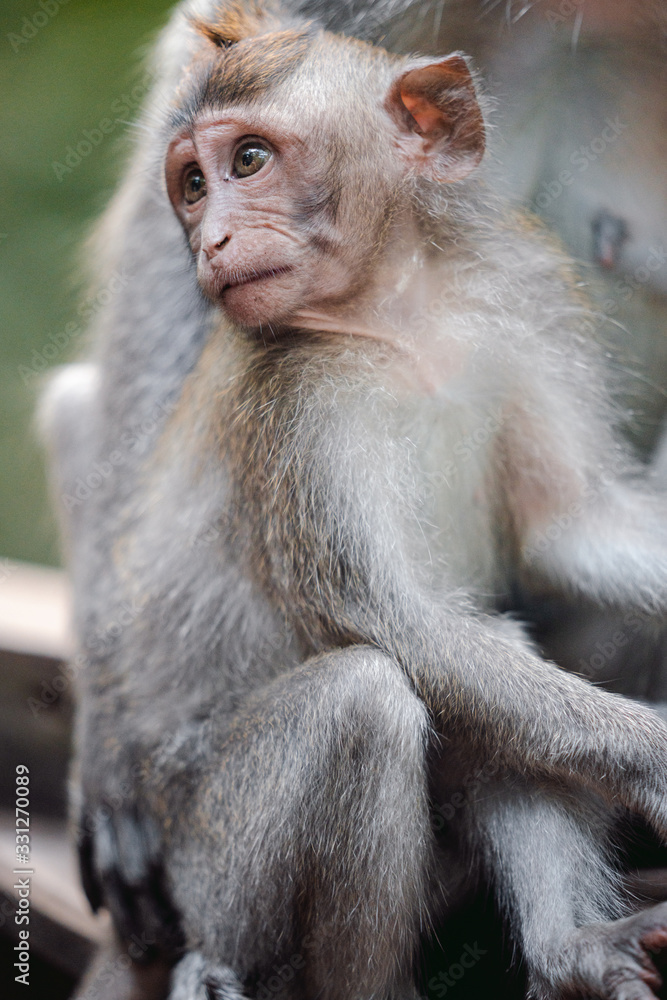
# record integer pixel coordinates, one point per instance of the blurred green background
(64, 67)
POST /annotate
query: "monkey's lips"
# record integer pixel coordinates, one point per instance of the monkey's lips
(258, 296)
(254, 277)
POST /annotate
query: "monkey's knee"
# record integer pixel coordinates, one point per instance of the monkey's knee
(368, 686)
(374, 710)
(377, 779)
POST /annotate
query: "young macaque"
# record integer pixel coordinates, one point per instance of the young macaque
(314, 484)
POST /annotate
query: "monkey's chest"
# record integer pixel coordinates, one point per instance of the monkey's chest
(459, 493)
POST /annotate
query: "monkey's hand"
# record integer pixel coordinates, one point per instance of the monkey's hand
(121, 868)
(194, 978)
(609, 961)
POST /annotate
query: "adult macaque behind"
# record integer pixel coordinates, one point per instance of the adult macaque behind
(381, 416)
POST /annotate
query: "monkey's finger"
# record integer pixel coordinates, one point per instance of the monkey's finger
(128, 862)
(648, 934)
(160, 917)
(133, 849)
(89, 880)
(117, 896)
(141, 870)
(655, 939)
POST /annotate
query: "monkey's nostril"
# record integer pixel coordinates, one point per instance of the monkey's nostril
(212, 249)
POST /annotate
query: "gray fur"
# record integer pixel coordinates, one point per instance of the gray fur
(196, 979)
(285, 600)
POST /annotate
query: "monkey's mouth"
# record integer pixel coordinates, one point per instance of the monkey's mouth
(249, 279)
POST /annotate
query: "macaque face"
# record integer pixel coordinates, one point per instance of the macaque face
(296, 203)
(249, 193)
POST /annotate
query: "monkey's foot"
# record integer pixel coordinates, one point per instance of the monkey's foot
(610, 961)
(194, 978)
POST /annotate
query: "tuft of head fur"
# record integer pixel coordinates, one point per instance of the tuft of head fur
(259, 45)
(234, 21)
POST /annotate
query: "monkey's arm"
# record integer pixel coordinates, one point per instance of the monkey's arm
(482, 682)
(585, 518)
(544, 853)
(611, 547)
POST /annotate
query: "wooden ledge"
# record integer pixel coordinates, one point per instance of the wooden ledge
(35, 610)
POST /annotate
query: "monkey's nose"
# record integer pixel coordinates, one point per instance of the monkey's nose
(212, 249)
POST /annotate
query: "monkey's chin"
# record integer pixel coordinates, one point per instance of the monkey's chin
(266, 300)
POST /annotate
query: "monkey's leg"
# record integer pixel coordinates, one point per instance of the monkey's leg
(593, 526)
(301, 857)
(545, 853)
(622, 647)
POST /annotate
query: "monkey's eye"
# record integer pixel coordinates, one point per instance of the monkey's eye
(250, 157)
(194, 185)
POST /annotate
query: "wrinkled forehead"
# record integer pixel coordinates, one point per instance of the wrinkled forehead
(297, 73)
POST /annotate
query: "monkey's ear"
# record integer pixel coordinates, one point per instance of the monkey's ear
(435, 106)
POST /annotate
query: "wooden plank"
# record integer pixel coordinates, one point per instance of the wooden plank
(35, 610)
